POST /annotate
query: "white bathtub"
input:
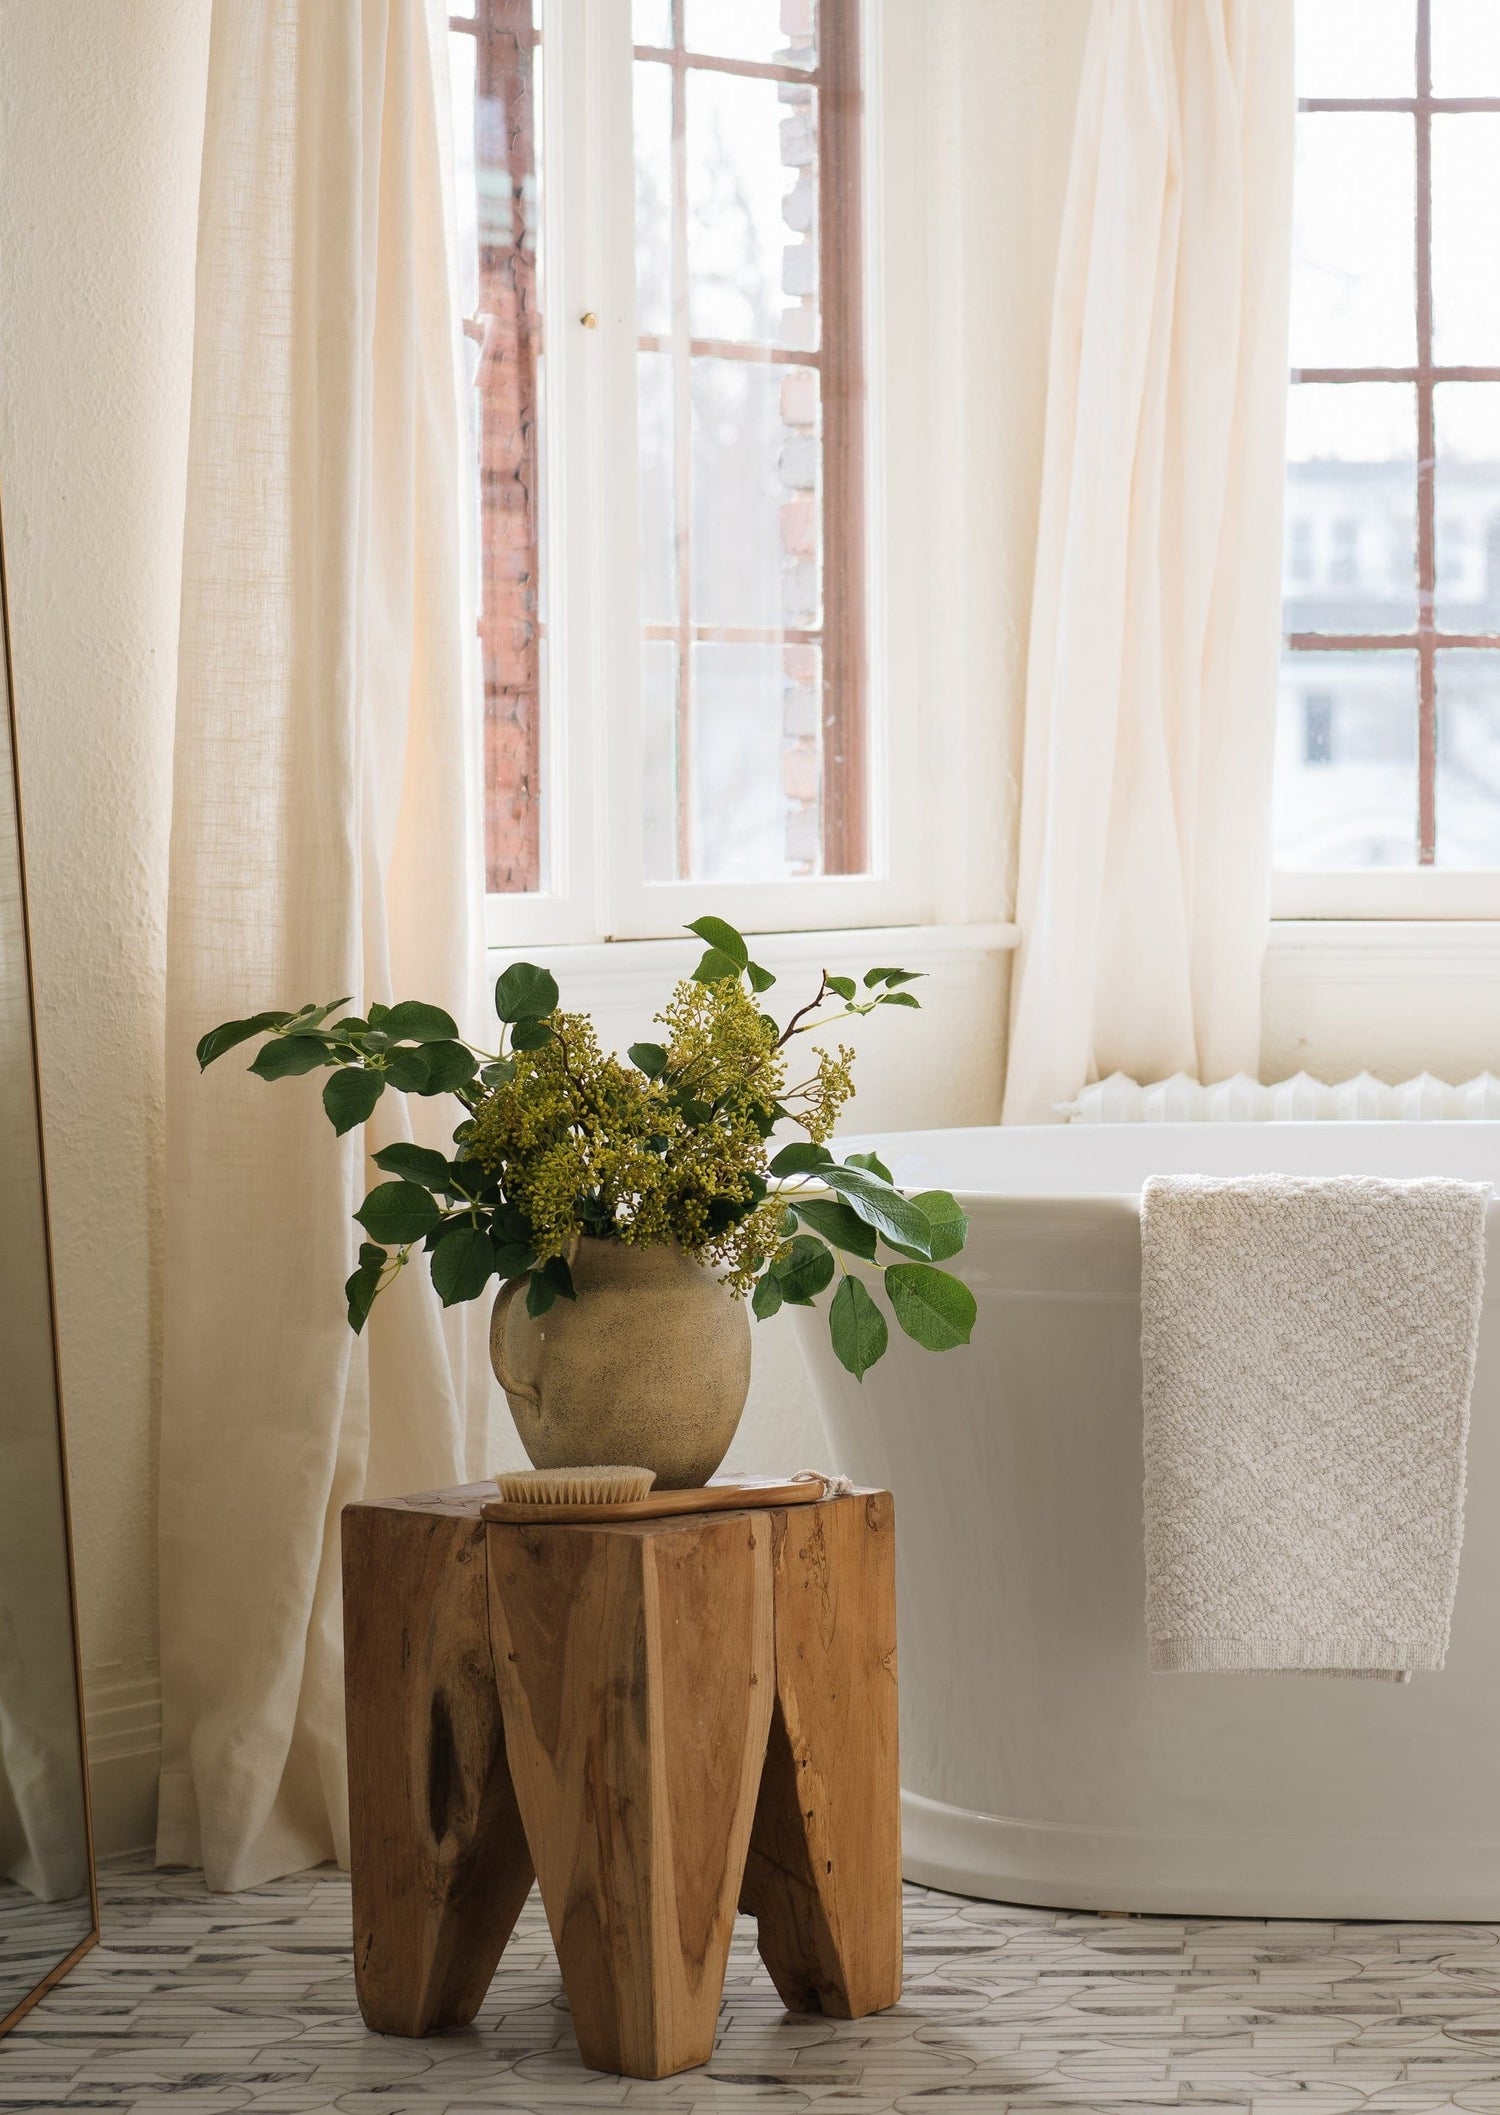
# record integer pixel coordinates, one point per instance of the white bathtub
(1041, 1762)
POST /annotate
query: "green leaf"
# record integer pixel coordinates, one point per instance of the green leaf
(833, 1219)
(891, 976)
(715, 967)
(897, 998)
(760, 979)
(499, 1073)
(805, 1272)
(461, 1264)
(415, 1164)
(786, 1225)
(398, 1212)
(223, 1038)
(844, 986)
(873, 1162)
(530, 1035)
(766, 1298)
(360, 1288)
(935, 1309)
(406, 1069)
(555, 1270)
(350, 1096)
(721, 939)
(857, 1328)
(513, 1258)
(541, 1294)
(412, 1022)
(649, 1058)
(882, 1206)
(948, 1220)
(284, 1057)
(525, 993)
(800, 1158)
(449, 1067)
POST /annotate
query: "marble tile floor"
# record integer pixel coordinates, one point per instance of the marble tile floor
(197, 2003)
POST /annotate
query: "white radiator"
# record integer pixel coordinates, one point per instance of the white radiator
(1301, 1099)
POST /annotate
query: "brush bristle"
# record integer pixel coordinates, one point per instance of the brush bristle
(608, 1486)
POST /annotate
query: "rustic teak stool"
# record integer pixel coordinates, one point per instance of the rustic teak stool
(661, 1719)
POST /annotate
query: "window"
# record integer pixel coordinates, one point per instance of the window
(676, 536)
(1389, 729)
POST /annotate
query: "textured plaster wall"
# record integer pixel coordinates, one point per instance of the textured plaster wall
(100, 135)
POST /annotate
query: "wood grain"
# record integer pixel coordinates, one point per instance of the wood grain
(635, 1671)
(823, 1877)
(438, 1857)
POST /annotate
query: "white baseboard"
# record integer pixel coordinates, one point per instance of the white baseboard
(123, 1714)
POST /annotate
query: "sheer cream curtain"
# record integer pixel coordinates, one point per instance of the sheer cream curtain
(1151, 684)
(324, 841)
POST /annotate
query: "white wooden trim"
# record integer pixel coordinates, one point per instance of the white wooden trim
(1406, 893)
(625, 962)
(1330, 950)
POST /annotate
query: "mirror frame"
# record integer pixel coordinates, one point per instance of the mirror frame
(91, 1937)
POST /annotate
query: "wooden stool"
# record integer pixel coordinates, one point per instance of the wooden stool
(661, 1719)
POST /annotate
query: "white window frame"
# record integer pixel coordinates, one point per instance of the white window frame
(592, 731)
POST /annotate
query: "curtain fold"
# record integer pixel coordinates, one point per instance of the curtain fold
(1143, 888)
(324, 841)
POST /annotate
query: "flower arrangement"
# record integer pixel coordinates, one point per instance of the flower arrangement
(560, 1140)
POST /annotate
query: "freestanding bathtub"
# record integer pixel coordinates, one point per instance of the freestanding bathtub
(1041, 1761)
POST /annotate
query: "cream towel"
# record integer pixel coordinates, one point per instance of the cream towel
(1307, 1350)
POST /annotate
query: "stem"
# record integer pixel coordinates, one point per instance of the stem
(812, 1006)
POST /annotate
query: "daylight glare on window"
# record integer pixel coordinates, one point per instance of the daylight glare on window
(751, 663)
(1388, 729)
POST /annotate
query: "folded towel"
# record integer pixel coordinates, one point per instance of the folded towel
(1307, 1350)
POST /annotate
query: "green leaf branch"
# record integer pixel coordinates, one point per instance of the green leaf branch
(805, 1220)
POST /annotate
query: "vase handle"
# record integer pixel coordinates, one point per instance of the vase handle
(498, 1320)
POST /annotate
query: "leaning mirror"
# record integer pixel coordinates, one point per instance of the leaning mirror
(47, 1901)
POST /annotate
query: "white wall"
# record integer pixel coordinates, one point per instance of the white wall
(100, 136)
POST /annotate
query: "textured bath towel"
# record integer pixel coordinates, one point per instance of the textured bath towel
(1307, 1350)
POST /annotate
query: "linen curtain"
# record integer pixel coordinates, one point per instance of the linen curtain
(1151, 681)
(324, 841)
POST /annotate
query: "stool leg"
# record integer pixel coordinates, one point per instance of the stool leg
(823, 1877)
(437, 1855)
(635, 1673)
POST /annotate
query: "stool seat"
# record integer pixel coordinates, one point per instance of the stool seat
(660, 1720)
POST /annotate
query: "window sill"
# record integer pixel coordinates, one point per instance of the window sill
(605, 962)
(1435, 949)
(1406, 895)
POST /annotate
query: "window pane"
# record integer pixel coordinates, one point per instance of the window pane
(1346, 760)
(740, 763)
(497, 96)
(1467, 479)
(660, 762)
(756, 556)
(1357, 47)
(778, 30)
(1468, 759)
(1354, 241)
(759, 768)
(752, 209)
(653, 197)
(1351, 508)
(658, 511)
(1465, 47)
(651, 22)
(1465, 235)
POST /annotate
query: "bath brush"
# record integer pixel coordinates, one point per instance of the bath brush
(608, 1486)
